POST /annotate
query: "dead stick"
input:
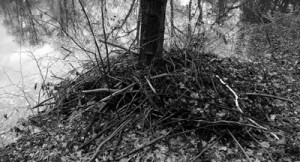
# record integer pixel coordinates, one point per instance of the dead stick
(138, 149)
(150, 85)
(207, 147)
(42, 103)
(117, 92)
(163, 75)
(239, 145)
(271, 96)
(100, 90)
(97, 136)
(120, 128)
(232, 91)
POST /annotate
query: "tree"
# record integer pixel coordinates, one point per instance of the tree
(33, 33)
(252, 12)
(189, 27)
(221, 12)
(152, 30)
(200, 17)
(172, 30)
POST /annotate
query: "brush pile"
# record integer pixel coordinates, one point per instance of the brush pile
(184, 94)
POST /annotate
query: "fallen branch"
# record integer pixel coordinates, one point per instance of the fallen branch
(271, 96)
(117, 92)
(100, 90)
(150, 85)
(220, 122)
(163, 75)
(253, 122)
(97, 136)
(239, 145)
(232, 91)
(42, 103)
(120, 138)
(119, 129)
(272, 160)
(208, 146)
(142, 147)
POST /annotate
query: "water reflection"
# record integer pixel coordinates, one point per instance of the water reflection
(26, 58)
(20, 69)
(8, 63)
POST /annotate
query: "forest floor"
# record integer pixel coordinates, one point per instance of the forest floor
(203, 108)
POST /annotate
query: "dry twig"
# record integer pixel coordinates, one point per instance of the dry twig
(232, 91)
(119, 129)
(100, 90)
(42, 103)
(208, 146)
(150, 85)
(142, 147)
(271, 96)
(239, 145)
(117, 92)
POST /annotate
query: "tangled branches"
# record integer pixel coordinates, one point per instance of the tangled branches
(179, 94)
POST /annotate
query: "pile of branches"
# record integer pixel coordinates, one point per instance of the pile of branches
(183, 93)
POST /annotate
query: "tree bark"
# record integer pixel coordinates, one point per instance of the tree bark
(189, 28)
(33, 35)
(221, 12)
(200, 17)
(138, 25)
(172, 24)
(152, 30)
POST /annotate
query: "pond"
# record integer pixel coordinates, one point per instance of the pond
(9, 67)
(23, 69)
(18, 75)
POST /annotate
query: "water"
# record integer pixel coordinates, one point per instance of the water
(8, 63)
(20, 69)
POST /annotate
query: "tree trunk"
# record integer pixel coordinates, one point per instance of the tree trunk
(200, 17)
(33, 34)
(252, 12)
(189, 28)
(172, 23)
(221, 12)
(138, 26)
(152, 30)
